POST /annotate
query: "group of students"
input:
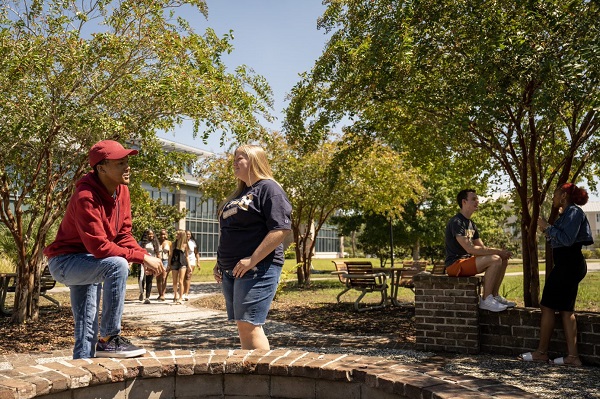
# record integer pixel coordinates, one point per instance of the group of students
(94, 248)
(466, 255)
(180, 257)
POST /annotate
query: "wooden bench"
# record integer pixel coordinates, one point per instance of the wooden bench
(9, 284)
(360, 276)
(409, 270)
(439, 268)
(340, 269)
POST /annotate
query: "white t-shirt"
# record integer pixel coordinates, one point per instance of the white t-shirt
(191, 253)
(150, 248)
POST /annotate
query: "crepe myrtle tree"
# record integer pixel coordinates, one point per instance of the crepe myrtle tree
(74, 72)
(514, 85)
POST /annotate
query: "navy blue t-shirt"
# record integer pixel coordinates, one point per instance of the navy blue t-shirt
(246, 220)
(459, 225)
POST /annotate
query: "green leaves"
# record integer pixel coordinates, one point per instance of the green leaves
(75, 72)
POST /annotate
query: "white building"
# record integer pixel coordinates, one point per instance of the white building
(201, 218)
(592, 211)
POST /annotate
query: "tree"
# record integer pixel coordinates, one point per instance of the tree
(321, 182)
(74, 72)
(516, 81)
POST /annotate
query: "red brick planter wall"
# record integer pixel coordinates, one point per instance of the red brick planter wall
(448, 319)
(243, 374)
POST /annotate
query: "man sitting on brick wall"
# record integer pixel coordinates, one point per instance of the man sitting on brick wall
(467, 256)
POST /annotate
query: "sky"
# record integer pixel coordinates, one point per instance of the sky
(279, 39)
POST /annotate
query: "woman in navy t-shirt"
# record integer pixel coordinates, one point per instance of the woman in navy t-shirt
(253, 221)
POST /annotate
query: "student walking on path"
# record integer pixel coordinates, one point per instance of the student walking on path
(165, 255)
(178, 264)
(193, 261)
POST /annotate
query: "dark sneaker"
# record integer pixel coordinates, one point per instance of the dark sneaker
(118, 346)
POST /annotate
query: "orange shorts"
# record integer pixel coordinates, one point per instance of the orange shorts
(465, 267)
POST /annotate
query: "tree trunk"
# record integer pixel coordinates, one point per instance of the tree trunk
(531, 275)
(26, 307)
(416, 250)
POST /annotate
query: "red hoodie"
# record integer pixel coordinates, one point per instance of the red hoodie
(97, 223)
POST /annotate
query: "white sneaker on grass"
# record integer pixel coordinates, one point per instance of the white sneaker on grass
(504, 301)
(491, 304)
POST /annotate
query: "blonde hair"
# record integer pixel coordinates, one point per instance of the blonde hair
(181, 240)
(259, 167)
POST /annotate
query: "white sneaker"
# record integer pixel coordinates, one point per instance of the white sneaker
(185, 297)
(504, 301)
(491, 304)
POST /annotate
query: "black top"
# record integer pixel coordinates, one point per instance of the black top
(246, 220)
(459, 225)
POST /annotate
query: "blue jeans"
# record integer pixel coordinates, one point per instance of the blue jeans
(84, 275)
(249, 298)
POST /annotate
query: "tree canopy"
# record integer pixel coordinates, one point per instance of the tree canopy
(515, 81)
(73, 72)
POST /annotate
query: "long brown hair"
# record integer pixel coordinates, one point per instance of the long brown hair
(181, 240)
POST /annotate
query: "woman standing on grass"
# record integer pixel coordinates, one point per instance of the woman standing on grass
(178, 263)
(253, 222)
(567, 235)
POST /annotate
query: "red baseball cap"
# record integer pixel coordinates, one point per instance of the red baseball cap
(108, 149)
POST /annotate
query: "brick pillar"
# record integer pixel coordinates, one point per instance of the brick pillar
(447, 313)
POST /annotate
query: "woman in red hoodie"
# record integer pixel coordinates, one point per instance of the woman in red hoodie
(94, 245)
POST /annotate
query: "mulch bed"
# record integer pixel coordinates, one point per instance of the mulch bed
(54, 330)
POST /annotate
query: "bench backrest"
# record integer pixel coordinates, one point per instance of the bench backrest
(409, 270)
(359, 269)
(439, 268)
(47, 282)
(340, 267)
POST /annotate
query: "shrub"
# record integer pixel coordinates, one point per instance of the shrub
(290, 252)
(586, 253)
(597, 253)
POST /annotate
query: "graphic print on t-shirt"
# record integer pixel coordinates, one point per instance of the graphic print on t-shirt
(470, 232)
(242, 204)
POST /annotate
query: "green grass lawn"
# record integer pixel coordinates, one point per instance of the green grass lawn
(326, 287)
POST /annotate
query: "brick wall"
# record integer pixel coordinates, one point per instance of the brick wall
(240, 374)
(517, 330)
(438, 309)
(446, 313)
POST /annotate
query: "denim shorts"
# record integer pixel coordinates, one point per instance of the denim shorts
(249, 298)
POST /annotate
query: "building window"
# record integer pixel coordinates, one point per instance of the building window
(166, 198)
(327, 240)
(598, 218)
(202, 221)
